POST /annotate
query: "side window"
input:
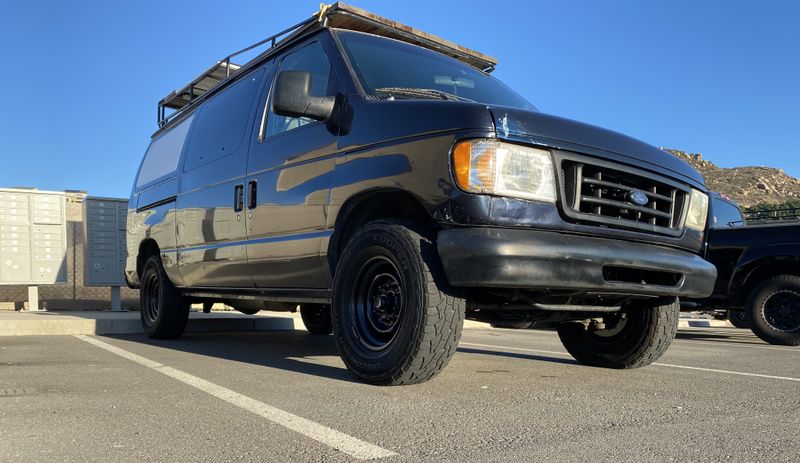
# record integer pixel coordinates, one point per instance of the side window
(222, 122)
(164, 153)
(310, 58)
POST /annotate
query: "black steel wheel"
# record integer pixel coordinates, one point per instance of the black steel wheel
(634, 337)
(164, 311)
(377, 302)
(395, 320)
(773, 310)
(738, 318)
(317, 318)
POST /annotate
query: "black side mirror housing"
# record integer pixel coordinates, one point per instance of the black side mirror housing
(292, 97)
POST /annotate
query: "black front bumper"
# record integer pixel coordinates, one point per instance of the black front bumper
(546, 260)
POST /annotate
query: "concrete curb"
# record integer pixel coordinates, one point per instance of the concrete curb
(703, 323)
(71, 323)
(54, 324)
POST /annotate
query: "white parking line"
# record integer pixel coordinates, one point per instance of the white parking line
(727, 372)
(527, 334)
(731, 344)
(350, 445)
(668, 365)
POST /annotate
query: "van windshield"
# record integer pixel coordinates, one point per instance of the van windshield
(390, 69)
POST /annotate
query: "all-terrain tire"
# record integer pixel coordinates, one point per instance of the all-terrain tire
(247, 310)
(164, 311)
(512, 325)
(512, 320)
(647, 331)
(395, 320)
(738, 319)
(317, 318)
(776, 324)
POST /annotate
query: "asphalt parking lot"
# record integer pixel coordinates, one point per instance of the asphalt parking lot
(717, 395)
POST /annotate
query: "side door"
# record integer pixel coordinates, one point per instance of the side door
(289, 173)
(211, 218)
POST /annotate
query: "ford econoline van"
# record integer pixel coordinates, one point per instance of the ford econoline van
(382, 181)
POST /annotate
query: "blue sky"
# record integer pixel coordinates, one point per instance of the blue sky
(81, 79)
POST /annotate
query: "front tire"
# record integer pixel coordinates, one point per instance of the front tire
(773, 310)
(395, 320)
(164, 311)
(637, 336)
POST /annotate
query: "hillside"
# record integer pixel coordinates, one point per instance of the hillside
(746, 185)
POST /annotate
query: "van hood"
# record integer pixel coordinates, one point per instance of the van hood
(558, 132)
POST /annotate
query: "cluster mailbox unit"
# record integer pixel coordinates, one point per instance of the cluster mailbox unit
(105, 249)
(33, 239)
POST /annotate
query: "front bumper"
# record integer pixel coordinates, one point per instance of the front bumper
(546, 260)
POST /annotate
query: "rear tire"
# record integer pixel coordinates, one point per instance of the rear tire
(773, 310)
(636, 337)
(738, 319)
(317, 318)
(512, 325)
(395, 320)
(164, 311)
(512, 320)
(247, 311)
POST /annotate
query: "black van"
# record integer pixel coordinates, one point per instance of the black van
(387, 185)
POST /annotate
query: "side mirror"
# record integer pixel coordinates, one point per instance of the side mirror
(292, 97)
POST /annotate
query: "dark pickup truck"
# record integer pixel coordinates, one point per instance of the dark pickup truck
(759, 278)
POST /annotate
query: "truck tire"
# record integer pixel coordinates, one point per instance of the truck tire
(395, 320)
(164, 311)
(773, 310)
(642, 333)
(738, 318)
(317, 318)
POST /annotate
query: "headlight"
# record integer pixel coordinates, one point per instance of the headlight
(504, 169)
(698, 211)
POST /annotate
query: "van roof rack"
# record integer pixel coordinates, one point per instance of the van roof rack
(338, 15)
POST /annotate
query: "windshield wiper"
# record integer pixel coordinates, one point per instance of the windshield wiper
(422, 93)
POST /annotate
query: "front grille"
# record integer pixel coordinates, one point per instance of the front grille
(601, 193)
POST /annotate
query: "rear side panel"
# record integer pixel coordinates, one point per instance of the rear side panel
(151, 216)
(151, 209)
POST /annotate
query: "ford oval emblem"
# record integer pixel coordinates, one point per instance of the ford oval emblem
(638, 198)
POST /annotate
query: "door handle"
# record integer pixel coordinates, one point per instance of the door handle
(238, 198)
(252, 198)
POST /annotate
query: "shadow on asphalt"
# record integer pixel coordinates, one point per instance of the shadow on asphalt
(541, 358)
(282, 350)
(725, 335)
(285, 350)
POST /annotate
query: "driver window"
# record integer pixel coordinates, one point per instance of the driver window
(310, 58)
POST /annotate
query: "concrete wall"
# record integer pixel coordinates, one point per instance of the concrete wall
(74, 295)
